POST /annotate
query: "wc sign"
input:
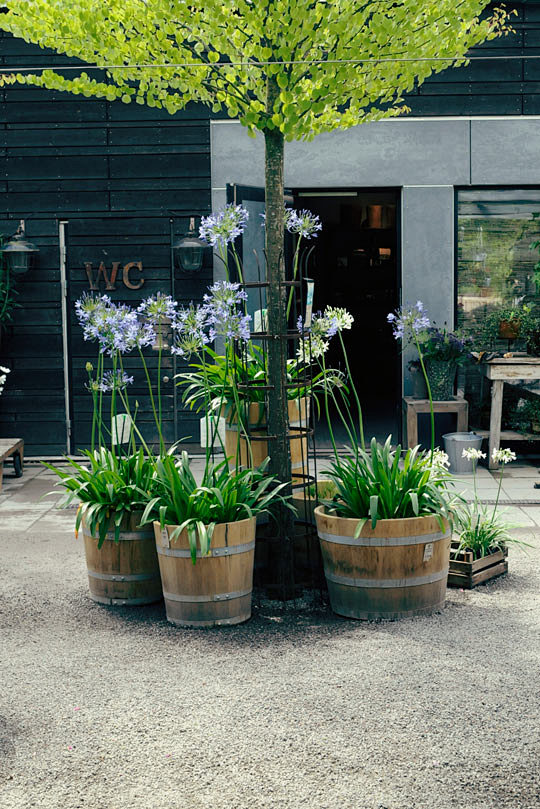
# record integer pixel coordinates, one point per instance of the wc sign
(117, 271)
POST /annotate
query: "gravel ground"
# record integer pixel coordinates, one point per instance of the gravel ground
(113, 708)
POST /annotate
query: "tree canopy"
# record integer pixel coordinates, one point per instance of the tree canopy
(336, 63)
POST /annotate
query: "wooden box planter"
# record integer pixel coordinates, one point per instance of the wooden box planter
(467, 572)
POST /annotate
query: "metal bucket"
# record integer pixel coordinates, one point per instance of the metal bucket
(454, 444)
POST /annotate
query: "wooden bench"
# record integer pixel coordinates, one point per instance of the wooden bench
(12, 448)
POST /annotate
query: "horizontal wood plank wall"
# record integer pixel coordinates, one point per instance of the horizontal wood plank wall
(118, 173)
(95, 163)
(501, 87)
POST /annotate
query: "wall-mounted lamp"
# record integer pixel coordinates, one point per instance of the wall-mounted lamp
(18, 251)
(189, 250)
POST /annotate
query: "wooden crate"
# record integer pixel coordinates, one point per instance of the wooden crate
(467, 572)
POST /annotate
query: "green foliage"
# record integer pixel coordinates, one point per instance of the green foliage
(526, 413)
(445, 346)
(330, 65)
(519, 314)
(220, 383)
(481, 530)
(381, 485)
(110, 487)
(222, 496)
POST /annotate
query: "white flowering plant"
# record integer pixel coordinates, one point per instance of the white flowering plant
(3, 376)
(481, 529)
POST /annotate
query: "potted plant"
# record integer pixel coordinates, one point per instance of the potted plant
(114, 482)
(506, 322)
(205, 538)
(234, 387)
(481, 536)
(112, 491)
(385, 534)
(443, 353)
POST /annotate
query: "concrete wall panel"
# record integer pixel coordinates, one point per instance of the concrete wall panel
(387, 153)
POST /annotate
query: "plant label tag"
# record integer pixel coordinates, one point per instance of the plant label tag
(165, 538)
(428, 551)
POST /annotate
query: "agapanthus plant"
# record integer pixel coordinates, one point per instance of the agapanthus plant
(221, 230)
(157, 307)
(3, 376)
(312, 347)
(190, 331)
(304, 225)
(408, 323)
(223, 314)
(480, 529)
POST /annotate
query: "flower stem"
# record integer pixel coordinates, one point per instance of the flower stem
(430, 397)
(152, 400)
(355, 393)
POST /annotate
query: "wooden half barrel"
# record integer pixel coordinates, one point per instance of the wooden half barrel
(395, 570)
(298, 415)
(123, 573)
(216, 590)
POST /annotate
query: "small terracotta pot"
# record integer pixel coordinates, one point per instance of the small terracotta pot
(509, 329)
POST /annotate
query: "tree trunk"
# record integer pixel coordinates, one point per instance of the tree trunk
(279, 447)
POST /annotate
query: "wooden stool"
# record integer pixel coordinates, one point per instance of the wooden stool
(12, 447)
(412, 407)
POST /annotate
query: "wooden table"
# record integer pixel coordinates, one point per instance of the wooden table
(413, 407)
(499, 371)
(11, 447)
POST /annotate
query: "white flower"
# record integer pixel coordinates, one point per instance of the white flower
(503, 455)
(473, 454)
(3, 376)
(309, 350)
(440, 460)
(341, 317)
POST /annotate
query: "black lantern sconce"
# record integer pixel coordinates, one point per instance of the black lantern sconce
(18, 251)
(189, 251)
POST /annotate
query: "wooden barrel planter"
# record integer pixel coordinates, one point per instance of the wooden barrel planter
(215, 591)
(396, 570)
(123, 573)
(298, 414)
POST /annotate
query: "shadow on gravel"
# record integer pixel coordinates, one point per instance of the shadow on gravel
(271, 623)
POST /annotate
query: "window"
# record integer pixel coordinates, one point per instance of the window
(495, 258)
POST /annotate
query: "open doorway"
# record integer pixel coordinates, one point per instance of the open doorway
(356, 265)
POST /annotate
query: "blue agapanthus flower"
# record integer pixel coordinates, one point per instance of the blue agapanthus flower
(223, 315)
(114, 381)
(189, 330)
(222, 228)
(157, 307)
(115, 327)
(304, 223)
(408, 321)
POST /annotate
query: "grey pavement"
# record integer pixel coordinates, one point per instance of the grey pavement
(114, 708)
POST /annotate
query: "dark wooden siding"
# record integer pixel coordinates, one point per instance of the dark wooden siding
(116, 172)
(508, 86)
(119, 174)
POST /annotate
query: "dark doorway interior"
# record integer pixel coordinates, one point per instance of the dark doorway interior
(356, 265)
